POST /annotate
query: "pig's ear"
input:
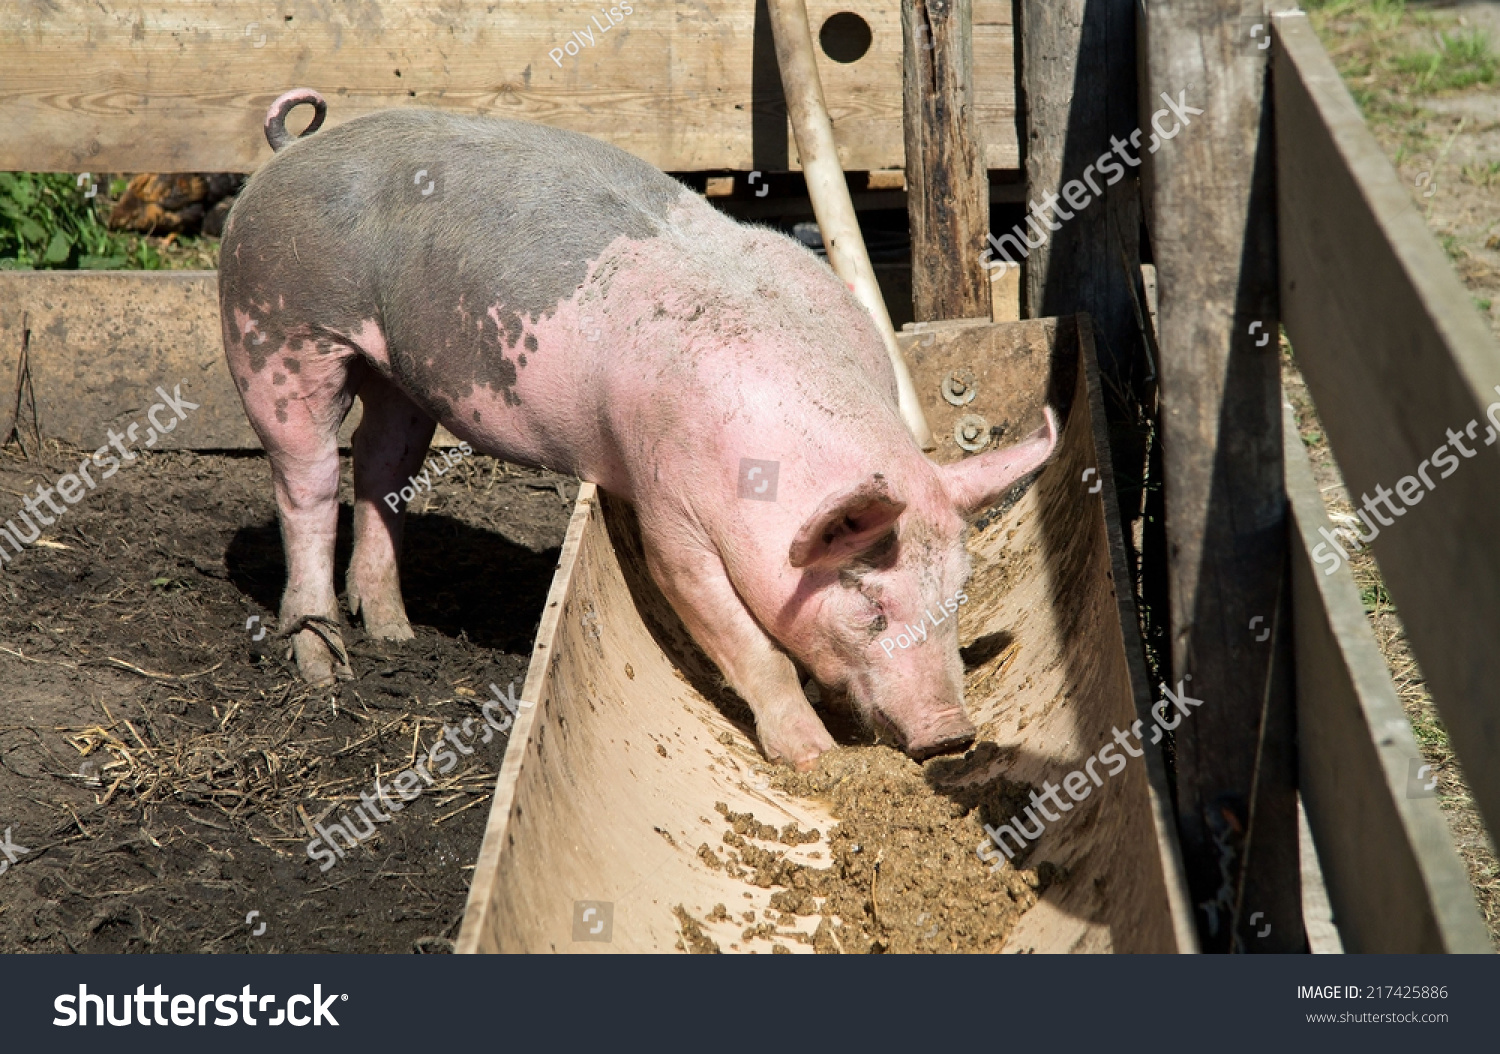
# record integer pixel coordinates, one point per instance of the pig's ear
(977, 482)
(847, 522)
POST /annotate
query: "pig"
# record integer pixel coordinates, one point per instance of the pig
(556, 302)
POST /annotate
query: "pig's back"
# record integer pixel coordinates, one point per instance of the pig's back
(515, 215)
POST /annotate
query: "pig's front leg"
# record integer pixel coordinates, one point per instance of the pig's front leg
(699, 590)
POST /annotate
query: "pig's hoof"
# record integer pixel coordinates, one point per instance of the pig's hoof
(318, 647)
(389, 630)
(382, 620)
(799, 751)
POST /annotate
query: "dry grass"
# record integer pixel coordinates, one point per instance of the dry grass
(1464, 823)
(256, 770)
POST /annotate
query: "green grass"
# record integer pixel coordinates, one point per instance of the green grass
(1461, 60)
(1482, 173)
(1389, 53)
(48, 221)
(1374, 596)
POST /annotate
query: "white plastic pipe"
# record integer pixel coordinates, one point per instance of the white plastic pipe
(830, 194)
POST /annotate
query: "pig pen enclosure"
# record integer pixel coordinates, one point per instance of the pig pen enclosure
(165, 772)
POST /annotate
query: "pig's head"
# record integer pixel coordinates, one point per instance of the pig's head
(884, 567)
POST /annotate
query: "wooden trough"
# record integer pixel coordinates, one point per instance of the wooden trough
(610, 781)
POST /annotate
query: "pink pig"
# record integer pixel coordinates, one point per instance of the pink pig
(556, 302)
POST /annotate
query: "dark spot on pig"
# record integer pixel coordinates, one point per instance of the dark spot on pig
(292, 365)
(476, 417)
(244, 384)
(530, 345)
(444, 277)
(521, 360)
(281, 415)
(278, 378)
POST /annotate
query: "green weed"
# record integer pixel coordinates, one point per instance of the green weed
(48, 221)
(1462, 60)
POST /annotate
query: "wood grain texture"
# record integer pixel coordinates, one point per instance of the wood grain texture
(1393, 876)
(1213, 239)
(1077, 70)
(182, 85)
(947, 186)
(1398, 361)
(101, 342)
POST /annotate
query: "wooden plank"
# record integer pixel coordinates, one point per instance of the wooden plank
(1169, 850)
(947, 186)
(1005, 295)
(102, 341)
(1398, 362)
(1213, 240)
(1077, 69)
(1317, 909)
(182, 85)
(1392, 874)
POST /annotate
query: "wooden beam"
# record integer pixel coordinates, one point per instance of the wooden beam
(1213, 239)
(947, 186)
(1077, 73)
(183, 85)
(101, 343)
(1395, 881)
(1399, 363)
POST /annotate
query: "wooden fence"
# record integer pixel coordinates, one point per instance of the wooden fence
(1397, 359)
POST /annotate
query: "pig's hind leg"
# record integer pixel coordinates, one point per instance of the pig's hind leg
(389, 448)
(296, 401)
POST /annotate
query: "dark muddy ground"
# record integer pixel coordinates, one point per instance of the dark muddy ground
(161, 769)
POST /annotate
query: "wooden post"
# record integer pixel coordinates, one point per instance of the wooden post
(817, 152)
(1076, 67)
(947, 186)
(1211, 203)
(1076, 70)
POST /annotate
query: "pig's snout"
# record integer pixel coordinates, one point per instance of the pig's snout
(941, 732)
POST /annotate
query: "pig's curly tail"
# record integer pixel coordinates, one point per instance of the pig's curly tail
(276, 133)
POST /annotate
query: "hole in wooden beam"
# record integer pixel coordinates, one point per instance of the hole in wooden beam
(845, 37)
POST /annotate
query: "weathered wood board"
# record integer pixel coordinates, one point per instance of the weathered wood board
(1398, 362)
(1213, 239)
(183, 85)
(588, 809)
(1395, 881)
(101, 343)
